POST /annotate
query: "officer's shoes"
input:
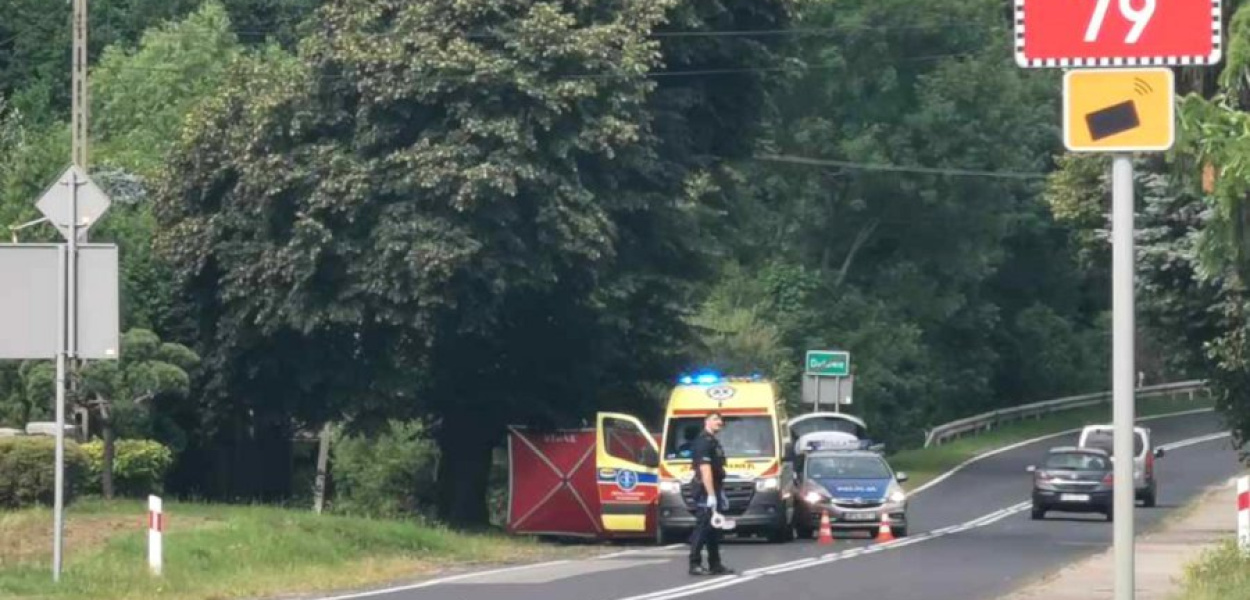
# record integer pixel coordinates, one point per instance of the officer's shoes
(720, 570)
(698, 570)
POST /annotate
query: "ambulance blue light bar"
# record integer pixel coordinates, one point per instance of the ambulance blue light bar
(705, 378)
(712, 378)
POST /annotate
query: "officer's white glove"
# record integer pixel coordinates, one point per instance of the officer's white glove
(710, 502)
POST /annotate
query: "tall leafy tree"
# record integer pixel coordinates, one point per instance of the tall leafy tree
(453, 208)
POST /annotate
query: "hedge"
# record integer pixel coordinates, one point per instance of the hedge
(139, 467)
(27, 470)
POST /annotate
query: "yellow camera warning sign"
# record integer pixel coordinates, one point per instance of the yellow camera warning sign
(1119, 110)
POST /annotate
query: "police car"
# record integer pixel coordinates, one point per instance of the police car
(849, 479)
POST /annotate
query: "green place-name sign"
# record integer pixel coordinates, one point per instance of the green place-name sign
(827, 363)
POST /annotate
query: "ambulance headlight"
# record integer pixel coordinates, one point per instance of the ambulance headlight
(669, 486)
(765, 484)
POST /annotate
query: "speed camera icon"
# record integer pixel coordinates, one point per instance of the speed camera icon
(1112, 120)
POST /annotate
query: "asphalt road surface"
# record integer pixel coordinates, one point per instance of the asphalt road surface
(971, 538)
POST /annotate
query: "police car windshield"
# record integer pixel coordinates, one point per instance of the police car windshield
(742, 437)
(847, 467)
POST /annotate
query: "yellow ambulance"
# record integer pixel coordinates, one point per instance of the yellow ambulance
(760, 479)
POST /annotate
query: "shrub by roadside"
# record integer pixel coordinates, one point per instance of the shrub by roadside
(139, 467)
(1221, 574)
(389, 473)
(27, 471)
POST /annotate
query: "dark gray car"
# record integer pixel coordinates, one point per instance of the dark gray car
(1073, 479)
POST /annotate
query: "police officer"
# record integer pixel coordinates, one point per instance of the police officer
(709, 483)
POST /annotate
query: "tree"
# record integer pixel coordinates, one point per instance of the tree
(121, 390)
(922, 275)
(141, 95)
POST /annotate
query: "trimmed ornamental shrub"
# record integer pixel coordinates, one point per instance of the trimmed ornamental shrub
(139, 467)
(28, 470)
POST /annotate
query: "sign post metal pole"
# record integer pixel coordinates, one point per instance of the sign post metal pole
(59, 494)
(817, 408)
(1123, 328)
(68, 326)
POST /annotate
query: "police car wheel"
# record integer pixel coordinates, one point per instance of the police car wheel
(804, 533)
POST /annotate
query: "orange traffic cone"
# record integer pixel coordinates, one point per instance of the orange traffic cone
(826, 530)
(884, 533)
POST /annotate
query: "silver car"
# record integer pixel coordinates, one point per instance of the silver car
(1145, 478)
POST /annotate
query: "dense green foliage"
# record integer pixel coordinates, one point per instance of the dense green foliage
(26, 471)
(139, 467)
(477, 213)
(387, 473)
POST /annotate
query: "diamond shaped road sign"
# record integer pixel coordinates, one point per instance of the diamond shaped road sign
(55, 201)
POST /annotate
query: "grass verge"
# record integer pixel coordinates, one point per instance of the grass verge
(1221, 573)
(923, 464)
(223, 551)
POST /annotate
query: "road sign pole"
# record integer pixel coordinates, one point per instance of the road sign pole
(837, 395)
(1123, 328)
(817, 407)
(58, 524)
(67, 334)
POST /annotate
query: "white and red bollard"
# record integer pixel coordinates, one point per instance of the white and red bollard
(156, 528)
(1243, 515)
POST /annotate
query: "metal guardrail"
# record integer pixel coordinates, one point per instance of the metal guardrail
(989, 420)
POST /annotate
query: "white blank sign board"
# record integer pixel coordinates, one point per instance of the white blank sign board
(29, 301)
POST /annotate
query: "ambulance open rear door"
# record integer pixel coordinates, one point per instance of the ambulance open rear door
(627, 463)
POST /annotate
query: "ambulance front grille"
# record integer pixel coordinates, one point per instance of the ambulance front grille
(739, 494)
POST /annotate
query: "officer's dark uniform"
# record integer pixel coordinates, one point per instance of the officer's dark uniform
(707, 450)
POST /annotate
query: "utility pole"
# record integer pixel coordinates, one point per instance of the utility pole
(80, 109)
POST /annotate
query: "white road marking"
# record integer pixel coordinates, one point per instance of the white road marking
(640, 551)
(432, 582)
(1195, 441)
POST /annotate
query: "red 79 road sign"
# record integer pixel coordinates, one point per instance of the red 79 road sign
(1117, 33)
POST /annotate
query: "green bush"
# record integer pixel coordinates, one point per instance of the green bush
(387, 474)
(1221, 573)
(139, 467)
(27, 470)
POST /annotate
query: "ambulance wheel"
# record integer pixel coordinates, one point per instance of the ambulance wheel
(782, 533)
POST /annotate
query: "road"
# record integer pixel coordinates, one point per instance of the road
(971, 538)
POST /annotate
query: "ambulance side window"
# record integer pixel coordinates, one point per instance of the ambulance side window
(623, 440)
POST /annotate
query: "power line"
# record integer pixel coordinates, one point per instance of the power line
(894, 168)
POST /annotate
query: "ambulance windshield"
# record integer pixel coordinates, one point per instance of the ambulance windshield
(742, 437)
